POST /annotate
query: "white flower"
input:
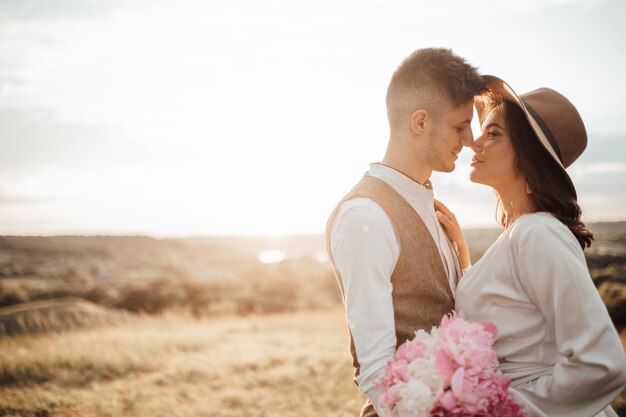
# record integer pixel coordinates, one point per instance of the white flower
(423, 370)
(416, 399)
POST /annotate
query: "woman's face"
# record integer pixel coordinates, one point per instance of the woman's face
(494, 156)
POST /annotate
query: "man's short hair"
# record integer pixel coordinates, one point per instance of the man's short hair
(428, 79)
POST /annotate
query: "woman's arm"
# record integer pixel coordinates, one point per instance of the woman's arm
(552, 270)
(455, 234)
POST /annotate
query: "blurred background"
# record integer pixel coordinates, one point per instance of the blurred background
(167, 169)
(194, 117)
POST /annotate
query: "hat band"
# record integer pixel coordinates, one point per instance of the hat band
(546, 130)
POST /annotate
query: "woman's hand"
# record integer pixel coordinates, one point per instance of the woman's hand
(453, 230)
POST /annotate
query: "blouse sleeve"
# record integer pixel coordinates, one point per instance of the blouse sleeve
(551, 268)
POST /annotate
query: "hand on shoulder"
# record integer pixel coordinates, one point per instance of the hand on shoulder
(453, 230)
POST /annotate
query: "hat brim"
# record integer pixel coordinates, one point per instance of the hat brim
(500, 88)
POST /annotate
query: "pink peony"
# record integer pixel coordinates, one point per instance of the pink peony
(388, 398)
(411, 349)
(445, 365)
(399, 371)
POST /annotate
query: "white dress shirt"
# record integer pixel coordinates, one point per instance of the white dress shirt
(365, 250)
(555, 338)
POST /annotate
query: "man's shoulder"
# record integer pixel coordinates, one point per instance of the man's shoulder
(357, 212)
(361, 228)
(356, 199)
(370, 186)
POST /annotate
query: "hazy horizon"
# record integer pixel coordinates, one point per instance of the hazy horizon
(272, 237)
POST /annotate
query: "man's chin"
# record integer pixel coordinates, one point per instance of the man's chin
(445, 167)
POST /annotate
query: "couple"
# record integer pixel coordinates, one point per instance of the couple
(402, 263)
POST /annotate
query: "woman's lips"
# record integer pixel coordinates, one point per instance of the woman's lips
(475, 161)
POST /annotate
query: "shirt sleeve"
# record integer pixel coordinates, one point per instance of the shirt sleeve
(552, 269)
(365, 251)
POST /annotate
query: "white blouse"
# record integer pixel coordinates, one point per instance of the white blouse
(556, 340)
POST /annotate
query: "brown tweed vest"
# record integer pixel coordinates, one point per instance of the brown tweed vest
(421, 293)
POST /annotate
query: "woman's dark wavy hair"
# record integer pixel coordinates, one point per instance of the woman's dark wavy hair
(551, 189)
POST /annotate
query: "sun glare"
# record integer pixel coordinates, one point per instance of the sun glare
(272, 256)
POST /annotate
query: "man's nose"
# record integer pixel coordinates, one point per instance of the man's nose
(467, 139)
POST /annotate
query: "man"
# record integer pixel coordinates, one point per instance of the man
(396, 269)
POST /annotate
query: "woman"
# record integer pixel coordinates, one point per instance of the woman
(556, 340)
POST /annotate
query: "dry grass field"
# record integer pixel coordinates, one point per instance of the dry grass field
(205, 327)
(272, 365)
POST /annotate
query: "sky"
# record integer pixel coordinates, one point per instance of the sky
(240, 117)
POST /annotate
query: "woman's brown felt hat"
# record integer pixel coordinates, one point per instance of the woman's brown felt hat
(553, 118)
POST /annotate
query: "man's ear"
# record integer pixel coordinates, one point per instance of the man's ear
(418, 121)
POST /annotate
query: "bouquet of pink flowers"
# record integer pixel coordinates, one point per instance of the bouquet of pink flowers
(449, 372)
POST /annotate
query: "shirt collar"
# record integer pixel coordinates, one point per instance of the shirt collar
(399, 179)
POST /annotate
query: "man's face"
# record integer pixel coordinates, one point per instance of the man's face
(448, 135)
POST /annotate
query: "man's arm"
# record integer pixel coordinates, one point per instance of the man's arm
(365, 250)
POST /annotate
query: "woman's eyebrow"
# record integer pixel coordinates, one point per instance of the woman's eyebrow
(493, 124)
